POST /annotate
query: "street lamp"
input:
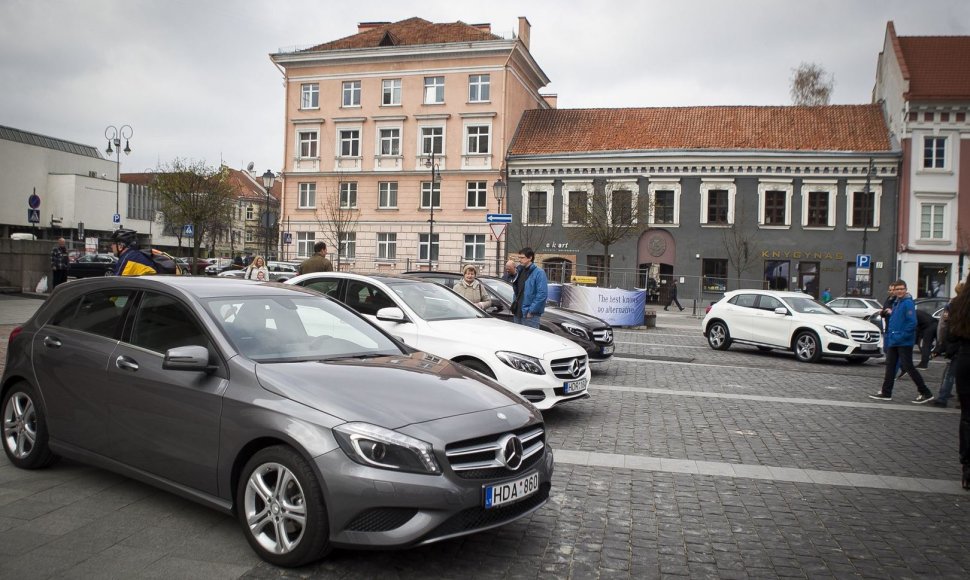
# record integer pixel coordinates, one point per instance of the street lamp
(114, 136)
(499, 188)
(435, 178)
(268, 180)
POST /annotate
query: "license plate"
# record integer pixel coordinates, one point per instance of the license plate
(512, 491)
(608, 349)
(570, 387)
(870, 347)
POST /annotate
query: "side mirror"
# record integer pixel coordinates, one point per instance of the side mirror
(391, 314)
(781, 310)
(187, 358)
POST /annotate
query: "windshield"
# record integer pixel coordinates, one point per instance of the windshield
(433, 302)
(808, 306)
(500, 287)
(285, 329)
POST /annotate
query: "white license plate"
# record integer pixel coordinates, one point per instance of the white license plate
(571, 387)
(608, 349)
(870, 347)
(510, 492)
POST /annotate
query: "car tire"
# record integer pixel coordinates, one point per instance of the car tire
(718, 336)
(807, 347)
(277, 490)
(24, 418)
(477, 365)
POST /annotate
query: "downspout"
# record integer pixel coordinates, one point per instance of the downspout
(286, 145)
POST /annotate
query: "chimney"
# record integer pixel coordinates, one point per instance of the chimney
(364, 26)
(551, 100)
(524, 28)
(485, 27)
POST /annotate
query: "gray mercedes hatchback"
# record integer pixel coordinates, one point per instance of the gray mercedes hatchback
(273, 403)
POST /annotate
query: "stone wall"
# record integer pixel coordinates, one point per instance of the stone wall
(24, 262)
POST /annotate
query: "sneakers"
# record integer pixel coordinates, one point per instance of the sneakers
(941, 404)
(923, 398)
(881, 397)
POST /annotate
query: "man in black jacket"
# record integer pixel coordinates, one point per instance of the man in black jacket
(926, 327)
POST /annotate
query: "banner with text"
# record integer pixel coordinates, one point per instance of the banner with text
(615, 306)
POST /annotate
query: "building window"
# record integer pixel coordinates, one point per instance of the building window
(537, 207)
(423, 247)
(308, 195)
(350, 143)
(475, 247)
(387, 194)
(250, 212)
(595, 266)
(818, 209)
(430, 193)
(931, 221)
(391, 89)
(432, 140)
(386, 246)
(308, 143)
(348, 245)
(310, 96)
(775, 206)
(717, 206)
(578, 207)
(854, 286)
(777, 273)
(478, 88)
(348, 195)
(478, 138)
(390, 141)
(934, 152)
(621, 207)
(714, 274)
(351, 94)
(304, 244)
(476, 194)
(663, 206)
(862, 210)
(434, 90)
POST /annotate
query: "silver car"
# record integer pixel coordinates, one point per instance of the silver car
(283, 407)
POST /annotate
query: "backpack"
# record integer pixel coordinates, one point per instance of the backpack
(163, 263)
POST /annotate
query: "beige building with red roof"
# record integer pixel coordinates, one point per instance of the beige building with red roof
(923, 84)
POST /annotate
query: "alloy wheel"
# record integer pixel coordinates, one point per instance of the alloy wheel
(275, 508)
(19, 425)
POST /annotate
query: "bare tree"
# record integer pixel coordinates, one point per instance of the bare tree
(337, 217)
(739, 244)
(811, 85)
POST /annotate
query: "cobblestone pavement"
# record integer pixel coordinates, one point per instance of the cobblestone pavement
(685, 462)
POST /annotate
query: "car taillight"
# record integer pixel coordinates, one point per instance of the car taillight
(13, 335)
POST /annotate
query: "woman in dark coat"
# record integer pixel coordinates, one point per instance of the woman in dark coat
(958, 326)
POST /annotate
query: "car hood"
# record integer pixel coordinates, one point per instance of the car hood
(846, 322)
(389, 391)
(557, 315)
(495, 334)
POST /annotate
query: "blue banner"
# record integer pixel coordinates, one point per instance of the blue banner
(615, 306)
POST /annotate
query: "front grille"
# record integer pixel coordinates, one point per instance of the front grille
(865, 336)
(603, 335)
(563, 367)
(481, 458)
(381, 519)
(479, 517)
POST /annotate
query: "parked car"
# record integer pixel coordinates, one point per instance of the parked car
(196, 267)
(272, 403)
(789, 321)
(219, 265)
(589, 332)
(855, 307)
(89, 265)
(278, 272)
(931, 305)
(544, 368)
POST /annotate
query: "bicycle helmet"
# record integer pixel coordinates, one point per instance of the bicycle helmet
(125, 237)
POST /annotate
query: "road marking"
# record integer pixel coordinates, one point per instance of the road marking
(750, 471)
(660, 344)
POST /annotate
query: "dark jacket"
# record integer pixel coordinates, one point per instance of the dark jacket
(901, 329)
(134, 262)
(315, 263)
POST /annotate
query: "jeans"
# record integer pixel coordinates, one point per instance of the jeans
(903, 355)
(946, 388)
(531, 322)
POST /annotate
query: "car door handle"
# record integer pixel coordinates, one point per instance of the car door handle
(52, 342)
(126, 364)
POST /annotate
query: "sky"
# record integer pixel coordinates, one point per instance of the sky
(194, 80)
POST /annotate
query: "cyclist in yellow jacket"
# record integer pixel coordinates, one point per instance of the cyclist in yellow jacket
(131, 260)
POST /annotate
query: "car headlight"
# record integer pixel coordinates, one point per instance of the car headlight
(576, 330)
(375, 446)
(521, 362)
(836, 331)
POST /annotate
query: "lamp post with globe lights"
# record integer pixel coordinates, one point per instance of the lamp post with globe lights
(268, 180)
(499, 189)
(114, 135)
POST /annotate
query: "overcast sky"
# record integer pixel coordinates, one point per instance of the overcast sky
(194, 80)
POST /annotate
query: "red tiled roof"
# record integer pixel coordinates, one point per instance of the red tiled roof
(137, 178)
(938, 66)
(412, 31)
(823, 128)
(244, 187)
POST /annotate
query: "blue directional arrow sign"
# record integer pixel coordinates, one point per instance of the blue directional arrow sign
(863, 260)
(498, 218)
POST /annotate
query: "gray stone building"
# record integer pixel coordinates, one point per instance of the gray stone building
(715, 198)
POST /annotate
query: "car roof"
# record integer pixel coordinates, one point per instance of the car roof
(390, 279)
(196, 286)
(775, 293)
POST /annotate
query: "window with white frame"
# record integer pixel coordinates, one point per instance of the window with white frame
(386, 246)
(578, 207)
(310, 96)
(432, 140)
(818, 204)
(250, 212)
(348, 245)
(478, 88)
(621, 207)
(476, 194)
(351, 94)
(664, 199)
(348, 195)
(249, 235)
(349, 142)
(931, 221)
(308, 195)
(774, 203)
(391, 92)
(390, 140)
(387, 195)
(478, 138)
(775, 208)
(717, 202)
(862, 207)
(430, 193)
(717, 206)
(434, 90)
(934, 152)
(423, 247)
(474, 247)
(538, 206)
(308, 141)
(818, 209)
(304, 244)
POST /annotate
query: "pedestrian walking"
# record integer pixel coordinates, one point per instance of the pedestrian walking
(59, 264)
(826, 296)
(318, 262)
(257, 270)
(900, 338)
(530, 290)
(471, 289)
(673, 297)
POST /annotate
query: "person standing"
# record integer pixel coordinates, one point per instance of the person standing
(318, 262)
(257, 270)
(530, 290)
(958, 327)
(926, 331)
(673, 297)
(471, 289)
(826, 296)
(948, 347)
(59, 264)
(900, 338)
(510, 268)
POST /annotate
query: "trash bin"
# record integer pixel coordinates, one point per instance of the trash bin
(650, 318)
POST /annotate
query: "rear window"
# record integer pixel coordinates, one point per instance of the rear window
(744, 300)
(98, 313)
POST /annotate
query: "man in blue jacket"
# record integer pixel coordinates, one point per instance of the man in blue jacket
(531, 288)
(900, 338)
